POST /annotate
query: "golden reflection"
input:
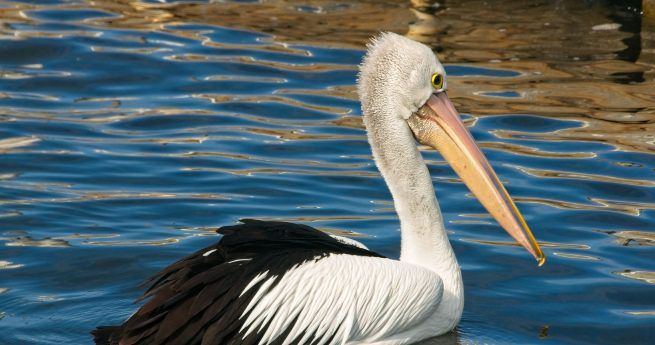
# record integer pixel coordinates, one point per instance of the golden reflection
(9, 144)
(161, 242)
(349, 121)
(576, 256)
(312, 219)
(114, 101)
(27, 241)
(261, 46)
(348, 23)
(585, 177)
(7, 265)
(201, 230)
(542, 244)
(253, 158)
(27, 95)
(532, 151)
(48, 298)
(348, 92)
(580, 87)
(13, 75)
(633, 237)
(130, 50)
(87, 236)
(283, 171)
(246, 79)
(467, 222)
(93, 196)
(272, 98)
(298, 135)
(153, 195)
(631, 208)
(165, 141)
(644, 276)
(249, 60)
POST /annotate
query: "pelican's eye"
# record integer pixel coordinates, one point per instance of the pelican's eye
(437, 81)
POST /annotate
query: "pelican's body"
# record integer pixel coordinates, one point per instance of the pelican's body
(282, 283)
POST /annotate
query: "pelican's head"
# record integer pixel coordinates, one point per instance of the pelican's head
(402, 88)
(401, 73)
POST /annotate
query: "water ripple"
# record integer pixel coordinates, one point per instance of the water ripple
(130, 130)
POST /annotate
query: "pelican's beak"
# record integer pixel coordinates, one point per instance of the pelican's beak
(437, 124)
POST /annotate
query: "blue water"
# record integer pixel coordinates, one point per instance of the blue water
(121, 149)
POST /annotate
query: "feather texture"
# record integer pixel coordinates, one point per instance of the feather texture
(201, 298)
(344, 298)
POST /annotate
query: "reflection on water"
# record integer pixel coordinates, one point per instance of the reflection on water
(130, 129)
(639, 238)
(648, 277)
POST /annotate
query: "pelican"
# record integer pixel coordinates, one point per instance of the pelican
(268, 282)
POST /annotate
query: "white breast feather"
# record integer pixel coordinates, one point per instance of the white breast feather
(356, 298)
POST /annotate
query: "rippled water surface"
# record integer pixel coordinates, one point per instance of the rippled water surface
(130, 130)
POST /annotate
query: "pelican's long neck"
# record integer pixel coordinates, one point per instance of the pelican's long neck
(391, 86)
(423, 237)
(424, 241)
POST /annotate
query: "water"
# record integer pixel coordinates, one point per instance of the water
(130, 130)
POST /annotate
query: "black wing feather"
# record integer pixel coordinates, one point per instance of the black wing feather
(196, 300)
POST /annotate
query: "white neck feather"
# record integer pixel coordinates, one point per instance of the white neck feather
(424, 241)
(391, 86)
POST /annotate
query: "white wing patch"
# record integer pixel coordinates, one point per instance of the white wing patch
(350, 241)
(209, 252)
(254, 281)
(342, 298)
